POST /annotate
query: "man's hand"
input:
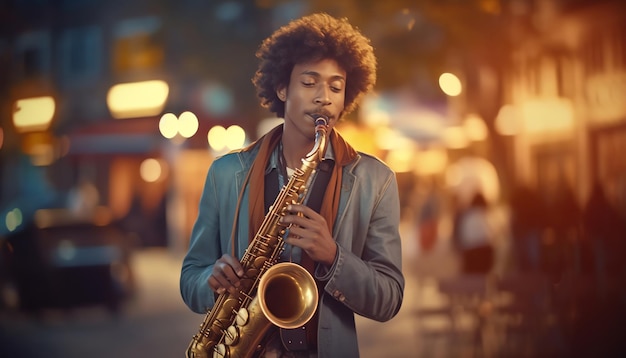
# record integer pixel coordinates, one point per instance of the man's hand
(309, 231)
(226, 275)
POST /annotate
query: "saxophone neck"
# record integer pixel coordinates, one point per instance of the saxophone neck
(321, 134)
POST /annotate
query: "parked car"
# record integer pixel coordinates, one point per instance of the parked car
(62, 260)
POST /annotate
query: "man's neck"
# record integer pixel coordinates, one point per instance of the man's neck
(293, 153)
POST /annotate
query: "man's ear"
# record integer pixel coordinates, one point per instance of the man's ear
(281, 93)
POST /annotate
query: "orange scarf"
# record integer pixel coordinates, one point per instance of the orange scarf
(344, 154)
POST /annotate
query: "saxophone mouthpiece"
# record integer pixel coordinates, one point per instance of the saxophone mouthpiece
(321, 120)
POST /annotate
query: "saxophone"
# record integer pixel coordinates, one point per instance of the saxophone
(284, 294)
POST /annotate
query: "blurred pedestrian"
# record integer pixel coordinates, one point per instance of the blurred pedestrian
(526, 226)
(474, 235)
(561, 240)
(604, 235)
(428, 212)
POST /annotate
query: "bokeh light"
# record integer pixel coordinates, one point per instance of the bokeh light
(475, 128)
(455, 137)
(221, 138)
(450, 84)
(217, 138)
(236, 137)
(150, 170)
(33, 114)
(507, 121)
(13, 219)
(137, 99)
(187, 124)
(168, 125)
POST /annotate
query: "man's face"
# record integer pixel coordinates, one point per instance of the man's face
(314, 88)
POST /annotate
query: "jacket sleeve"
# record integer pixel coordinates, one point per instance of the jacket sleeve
(204, 249)
(367, 273)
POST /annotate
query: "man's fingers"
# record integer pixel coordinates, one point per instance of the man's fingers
(226, 275)
(234, 264)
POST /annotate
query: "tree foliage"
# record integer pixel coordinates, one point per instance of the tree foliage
(420, 37)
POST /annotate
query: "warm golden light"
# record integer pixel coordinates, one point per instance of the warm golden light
(187, 124)
(450, 84)
(217, 138)
(455, 137)
(470, 175)
(430, 161)
(507, 121)
(548, 115)
(376, 118)
(42, 154)
(389, 139)
(360, 137)
(221, 138)
(137, 99)
(168, 125)
(150, 170)
(475, 128)
(40, 147)
(235, 137)
(400, 160)
(33, 114)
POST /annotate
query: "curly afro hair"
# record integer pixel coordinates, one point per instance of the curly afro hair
(312, 38)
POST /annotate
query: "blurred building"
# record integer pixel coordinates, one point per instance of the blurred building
(562, 101)
(540, 80)
(83, 88)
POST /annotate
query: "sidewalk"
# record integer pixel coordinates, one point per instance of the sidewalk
(401, 337)
(156, 323)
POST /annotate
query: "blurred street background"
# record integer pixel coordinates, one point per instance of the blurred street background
(505, 121)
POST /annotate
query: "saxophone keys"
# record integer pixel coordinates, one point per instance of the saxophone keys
(219, 351)
(242, 317)
(231, 336)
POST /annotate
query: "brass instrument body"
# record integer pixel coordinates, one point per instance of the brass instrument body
(227, 331)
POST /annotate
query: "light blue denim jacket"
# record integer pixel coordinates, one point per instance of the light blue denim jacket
(366, 277)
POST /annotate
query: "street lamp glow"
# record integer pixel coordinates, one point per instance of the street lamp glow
(221, 138)
(150, 170)
(236, 137)
(450, 84)
(430, 161)
(455, 137)
(507, 120)
(547, 115)
(475, 128)
(187, 124)
(137, 99)
(400, 159)
(217, 138)
(168, 125)
(33, 114)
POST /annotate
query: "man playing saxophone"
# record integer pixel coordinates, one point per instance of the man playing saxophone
(346, 231)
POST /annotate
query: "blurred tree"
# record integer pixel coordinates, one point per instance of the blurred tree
(417, 40)
(419, 37)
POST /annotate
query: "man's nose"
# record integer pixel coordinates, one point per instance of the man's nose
(323, 96)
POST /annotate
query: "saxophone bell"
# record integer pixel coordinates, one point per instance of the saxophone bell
(288, 295)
